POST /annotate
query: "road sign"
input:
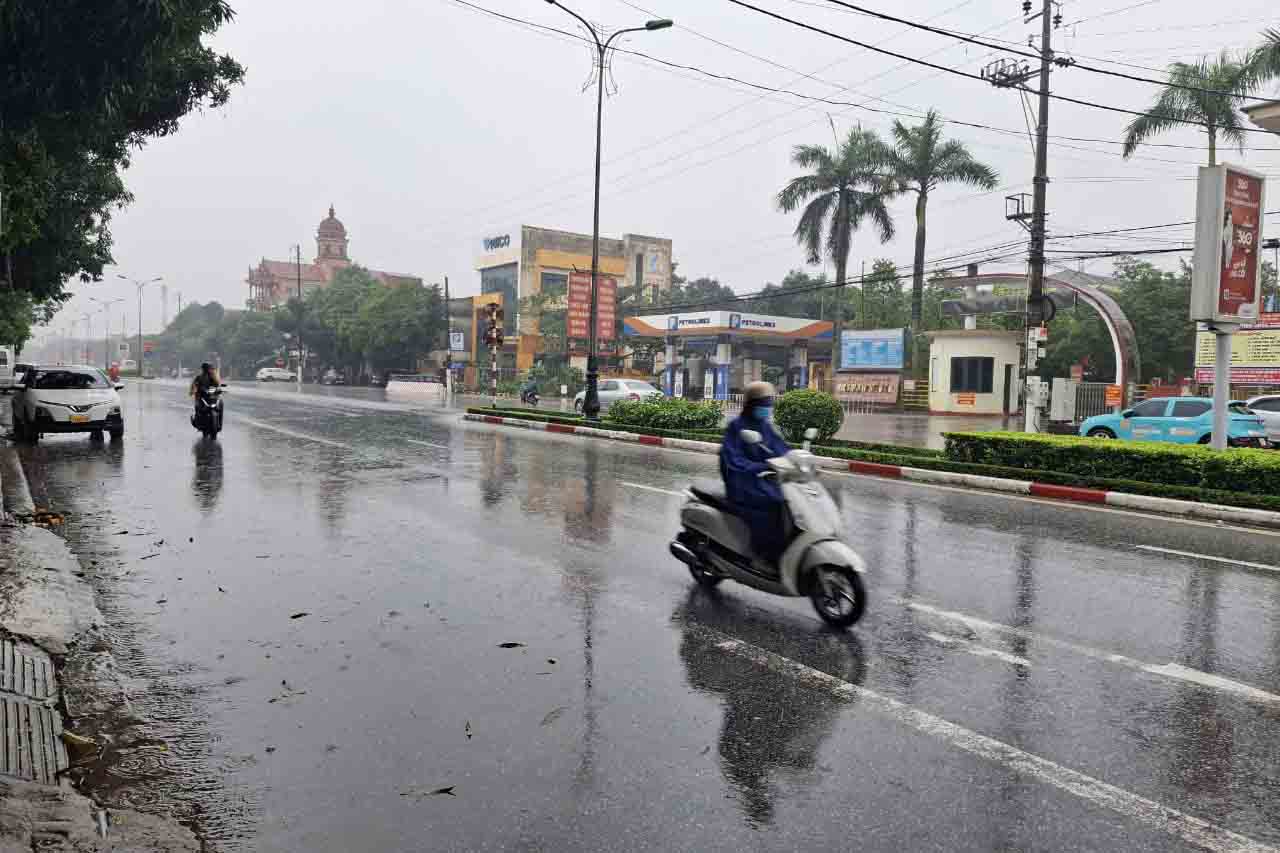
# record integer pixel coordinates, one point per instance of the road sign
(1114, 396)
(457, 341)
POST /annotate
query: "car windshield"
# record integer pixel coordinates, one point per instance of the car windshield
(642, 387)
(68, 380)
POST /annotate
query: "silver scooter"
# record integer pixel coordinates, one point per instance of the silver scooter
(716, 544)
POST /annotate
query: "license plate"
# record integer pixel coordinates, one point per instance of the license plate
(79, 419)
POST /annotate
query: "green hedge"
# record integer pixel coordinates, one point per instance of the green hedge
(578, 420)
(1056, 478)
(666, 413)
(1194, 466)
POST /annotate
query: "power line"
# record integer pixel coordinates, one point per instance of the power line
(957, 72)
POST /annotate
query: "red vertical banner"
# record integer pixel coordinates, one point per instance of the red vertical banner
(578, 319)
(606, 313)
(1241, 236)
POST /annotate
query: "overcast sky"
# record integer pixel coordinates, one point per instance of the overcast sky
(430, 125)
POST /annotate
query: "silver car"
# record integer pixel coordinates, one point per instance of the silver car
(613, 390)
(1267, 407)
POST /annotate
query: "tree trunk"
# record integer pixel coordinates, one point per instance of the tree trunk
(1213, 146)
(917, 271)
(842, 262)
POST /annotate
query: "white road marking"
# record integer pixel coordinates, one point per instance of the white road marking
(1193, 555)
(650, 488)
(293, 433)
(1193, 830)
(1169, 670)
(427, 443)
(978, 651)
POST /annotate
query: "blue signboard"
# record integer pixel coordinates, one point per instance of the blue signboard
(872, 349)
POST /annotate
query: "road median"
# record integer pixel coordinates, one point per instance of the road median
(931, 469)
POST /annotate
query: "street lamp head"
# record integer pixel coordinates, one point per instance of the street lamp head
(657, 24)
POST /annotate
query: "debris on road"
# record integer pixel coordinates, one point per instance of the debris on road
(299, 615)
(418, 792)
(510, 645)
(553, 715)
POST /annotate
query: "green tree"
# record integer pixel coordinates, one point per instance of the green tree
(251, 341)
(82, 84)
(922, 161)
(843, 188)
(886, 304)
(1207, 92)
(395, 325)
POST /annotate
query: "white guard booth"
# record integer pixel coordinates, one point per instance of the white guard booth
(974, 372)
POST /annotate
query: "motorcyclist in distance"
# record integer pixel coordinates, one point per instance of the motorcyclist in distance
(206, 379)
(756, 499)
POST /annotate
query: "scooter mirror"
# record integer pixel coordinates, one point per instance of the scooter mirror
(810, 434)
(750, 436)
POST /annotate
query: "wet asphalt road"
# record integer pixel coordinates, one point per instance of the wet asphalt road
(1030, 676)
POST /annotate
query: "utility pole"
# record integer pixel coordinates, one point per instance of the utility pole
(175, 316)
(297, 254)
(140, 285)
(1006, 73)
(448, 341)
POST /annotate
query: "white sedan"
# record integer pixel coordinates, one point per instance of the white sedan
(1267, 407)
(611, 391)
(66, 399)
(276, 374)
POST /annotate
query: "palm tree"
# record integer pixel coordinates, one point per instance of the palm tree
(1208, 93)
(922, 161)
(844, 187)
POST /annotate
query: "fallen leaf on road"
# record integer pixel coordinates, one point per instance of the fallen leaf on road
(148, 557)
(332, 747)
(121, 533)
(299, 615)
(419, 792)
(162, 601)
(220, 589)
(510, 645)
(467, 729)
(271, 749)
(551, 661)
(552, 716)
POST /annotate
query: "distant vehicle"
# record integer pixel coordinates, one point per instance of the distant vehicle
(6, 368)
(417, 384)
(277, 374)
(377, 381)
(613, 390)
(66, 399)
(187, 372)
(333, 377)
(1180, 420)
(1267, 407)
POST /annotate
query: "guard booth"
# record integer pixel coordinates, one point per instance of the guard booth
(974, 372)
(715, 354)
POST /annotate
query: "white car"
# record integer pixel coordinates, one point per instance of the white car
(61, 398)
(276, 374)
(1267, 407)
(6, 368)
(611, 391)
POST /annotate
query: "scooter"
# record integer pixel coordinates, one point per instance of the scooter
(207, 418)
(716, 544)
(529, 397)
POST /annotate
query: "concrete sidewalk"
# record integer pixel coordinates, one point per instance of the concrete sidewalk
(46, 610)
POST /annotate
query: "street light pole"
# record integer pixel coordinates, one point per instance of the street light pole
(297, 250)
(591, 402)
(106, 334)
(140, 285)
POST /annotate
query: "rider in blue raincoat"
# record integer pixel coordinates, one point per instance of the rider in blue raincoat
(756, 499)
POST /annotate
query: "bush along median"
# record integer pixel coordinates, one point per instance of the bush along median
(870, 457)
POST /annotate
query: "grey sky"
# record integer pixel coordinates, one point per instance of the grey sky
(429, 125)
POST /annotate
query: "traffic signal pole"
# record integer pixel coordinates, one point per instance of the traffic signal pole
(1035, 287)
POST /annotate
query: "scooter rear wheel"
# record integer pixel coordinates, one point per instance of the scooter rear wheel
(704, 578)
(838, 595)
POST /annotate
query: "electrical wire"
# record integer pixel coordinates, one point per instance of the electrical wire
(957, 72)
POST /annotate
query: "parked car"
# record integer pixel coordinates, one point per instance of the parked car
(613, 390)
(1181, 420)
(1267, 407)
(333, 377)
(66, 399)
(277, 374)
(6, 368)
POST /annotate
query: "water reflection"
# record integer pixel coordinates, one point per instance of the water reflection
(206, 479)
(774, 724)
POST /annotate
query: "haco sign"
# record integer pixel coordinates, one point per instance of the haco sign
(1226, 281)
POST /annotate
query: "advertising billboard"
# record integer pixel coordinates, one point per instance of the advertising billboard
(1225, 282)
(1255, 353)
(872, 349)
(578, 317)
(868, 388)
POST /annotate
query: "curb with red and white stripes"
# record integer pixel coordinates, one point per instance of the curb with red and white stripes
(1126, 500)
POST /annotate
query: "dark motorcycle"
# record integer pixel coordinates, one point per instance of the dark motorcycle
(207, 418)
(529, 398)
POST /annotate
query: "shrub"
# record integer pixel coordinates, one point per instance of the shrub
(1253, 471)
(666, 413)
(799, 410)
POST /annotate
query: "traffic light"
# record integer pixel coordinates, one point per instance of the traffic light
(493, 332)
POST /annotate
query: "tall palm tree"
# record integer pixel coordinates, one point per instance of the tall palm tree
(922, 161)
(1229, 79)
(844, 187)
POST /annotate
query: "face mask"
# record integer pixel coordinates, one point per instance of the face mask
(764, 413)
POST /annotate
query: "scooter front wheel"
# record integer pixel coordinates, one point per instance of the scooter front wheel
(838, 595)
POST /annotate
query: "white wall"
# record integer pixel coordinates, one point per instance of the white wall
(1002, 347)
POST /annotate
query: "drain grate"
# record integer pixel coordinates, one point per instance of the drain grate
(30, 741)
(26, 671)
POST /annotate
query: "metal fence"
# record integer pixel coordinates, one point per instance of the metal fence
(1091, 399)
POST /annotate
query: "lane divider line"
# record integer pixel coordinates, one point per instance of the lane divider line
(1211, 558)
(1187, 827)
(978, 651)
(1175, 671)
(428, 443)
(650, 488)
(293, 433)
(1141, 503)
